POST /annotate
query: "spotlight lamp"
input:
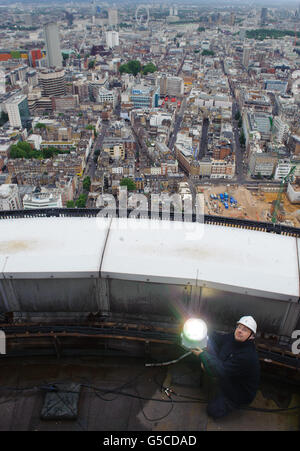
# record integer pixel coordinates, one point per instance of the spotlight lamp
(194, 334)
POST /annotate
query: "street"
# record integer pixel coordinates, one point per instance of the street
(240, 176)
(91, 166)
(177, 124)
(203, 142)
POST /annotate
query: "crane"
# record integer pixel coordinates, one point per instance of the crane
(278, 200)
(81, 45)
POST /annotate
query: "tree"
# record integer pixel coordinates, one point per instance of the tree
(24, 146)
(242, 139)
(271, 122)
(135, 67)
(123, 69)
(81, 201)
(22, 150)
(150, 67)
(40, 125)
(131, 186)
(207, 53)
(16, 152)
(86, 183)
(48, 152)
(3, 118)
(263, 33)
(132, 67)
(70, 204)
(90, 127)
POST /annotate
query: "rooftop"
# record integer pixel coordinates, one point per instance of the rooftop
(210, 255)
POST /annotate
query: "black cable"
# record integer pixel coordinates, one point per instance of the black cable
(191, 401)
(119, 388)
(140, 397)
(171, 361)
(159, 418)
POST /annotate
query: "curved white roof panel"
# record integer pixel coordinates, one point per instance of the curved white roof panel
(52, 247)
(230, 259)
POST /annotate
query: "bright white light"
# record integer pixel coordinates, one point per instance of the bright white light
(195, 329)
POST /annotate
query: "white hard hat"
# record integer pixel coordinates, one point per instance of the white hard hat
(249, 322)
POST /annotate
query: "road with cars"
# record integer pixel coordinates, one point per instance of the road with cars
(91, 166)
(203, 141)
(177, 124)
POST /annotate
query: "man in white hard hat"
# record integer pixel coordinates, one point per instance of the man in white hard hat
(233, 360)
(246, 329)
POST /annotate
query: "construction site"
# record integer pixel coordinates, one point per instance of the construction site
(253, 203)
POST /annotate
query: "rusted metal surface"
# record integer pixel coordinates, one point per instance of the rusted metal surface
(89, 335)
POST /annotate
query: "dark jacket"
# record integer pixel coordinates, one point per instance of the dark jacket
(236, 366)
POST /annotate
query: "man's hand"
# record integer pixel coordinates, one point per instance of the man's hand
(197, 351)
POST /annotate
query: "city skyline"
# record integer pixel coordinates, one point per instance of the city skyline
(164, 74)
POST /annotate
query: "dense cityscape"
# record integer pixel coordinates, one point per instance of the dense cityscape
(157, 99)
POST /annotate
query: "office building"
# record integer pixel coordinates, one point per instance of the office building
(35, 55)
(52, 82)
(276, 86)
(32, 78)
(112, 17)
(18, 111)
(64, 103)
(282, 169)
(10, 197)
(27, 18)
(264, 16)
(246, 56)
(54, 55)
(94, 87)
(280, 129)
(116, 152)
(112, 39)
(232, 19)
(262, 163)
(145, 97)
(42, 199)
(104, 96)
(170, 85)
(293, 193)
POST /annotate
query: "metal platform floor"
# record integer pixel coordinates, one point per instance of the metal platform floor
(121, 394)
